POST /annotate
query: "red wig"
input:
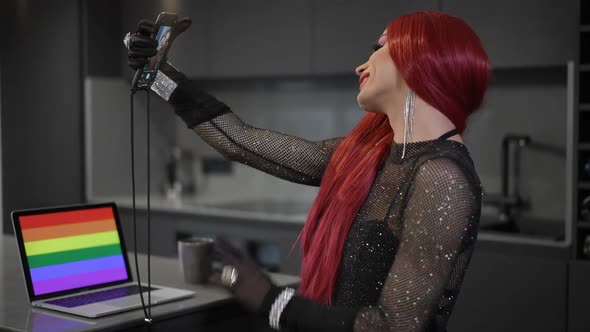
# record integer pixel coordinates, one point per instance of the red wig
(443, 62)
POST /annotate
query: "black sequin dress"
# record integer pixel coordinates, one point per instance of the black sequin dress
(410, 244)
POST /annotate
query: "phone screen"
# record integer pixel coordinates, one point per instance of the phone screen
(162, 38)
(151, 68)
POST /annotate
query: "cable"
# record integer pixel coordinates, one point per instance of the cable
(147, 92)
(147, 317)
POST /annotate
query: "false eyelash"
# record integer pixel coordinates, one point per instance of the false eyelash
(376, 46)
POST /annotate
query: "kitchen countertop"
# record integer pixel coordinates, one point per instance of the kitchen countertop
(290, 212)
(282, 211)
(16, 314)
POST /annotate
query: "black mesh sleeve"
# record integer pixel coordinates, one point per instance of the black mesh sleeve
(440, 226)
(290, 158)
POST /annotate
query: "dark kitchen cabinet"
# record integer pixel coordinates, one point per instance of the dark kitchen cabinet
(232, 39)
(522, 33)
(269, 38)
(191, 52)
(345, 31)
(579, 298)
(260, 38)
(509, 292)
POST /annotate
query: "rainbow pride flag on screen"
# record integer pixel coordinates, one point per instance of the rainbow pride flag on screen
(72, 249)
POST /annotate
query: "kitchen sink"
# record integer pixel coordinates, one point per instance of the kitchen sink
(530, 226)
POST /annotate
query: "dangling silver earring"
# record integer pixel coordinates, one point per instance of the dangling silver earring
(408, 118)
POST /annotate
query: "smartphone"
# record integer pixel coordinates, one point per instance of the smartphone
(164, 37)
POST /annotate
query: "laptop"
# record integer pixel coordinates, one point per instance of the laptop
(74, 261)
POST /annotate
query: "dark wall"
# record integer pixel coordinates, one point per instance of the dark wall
(103, 28)
(42, 113)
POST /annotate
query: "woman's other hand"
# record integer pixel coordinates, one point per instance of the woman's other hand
(252, 282)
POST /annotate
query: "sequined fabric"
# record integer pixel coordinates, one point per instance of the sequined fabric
(163, 86)
(411, 242)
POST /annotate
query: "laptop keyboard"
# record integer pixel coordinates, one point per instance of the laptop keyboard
(100, 296)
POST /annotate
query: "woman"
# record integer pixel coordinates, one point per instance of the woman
(391, 232)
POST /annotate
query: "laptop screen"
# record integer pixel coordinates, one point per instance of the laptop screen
(72, 249)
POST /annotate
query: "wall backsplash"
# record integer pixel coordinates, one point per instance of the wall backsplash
(529, 109)
(316, 111)
(305, 108)
(108, 147)
(320, 109)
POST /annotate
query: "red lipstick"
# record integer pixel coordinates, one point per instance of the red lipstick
(362, 78)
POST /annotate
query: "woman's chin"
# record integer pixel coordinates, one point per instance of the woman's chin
(366, 106)
(362, 100)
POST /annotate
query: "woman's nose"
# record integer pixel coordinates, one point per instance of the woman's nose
(360, 69)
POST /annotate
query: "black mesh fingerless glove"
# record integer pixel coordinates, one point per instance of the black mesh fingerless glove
(192, 104)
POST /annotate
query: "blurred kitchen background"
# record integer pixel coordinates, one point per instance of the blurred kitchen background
(288, 66)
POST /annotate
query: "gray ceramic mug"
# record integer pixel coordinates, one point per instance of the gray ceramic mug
(195, 256)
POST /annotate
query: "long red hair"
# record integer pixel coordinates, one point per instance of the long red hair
(443, 62)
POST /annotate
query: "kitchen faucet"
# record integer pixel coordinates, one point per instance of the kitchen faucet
(508, 203)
